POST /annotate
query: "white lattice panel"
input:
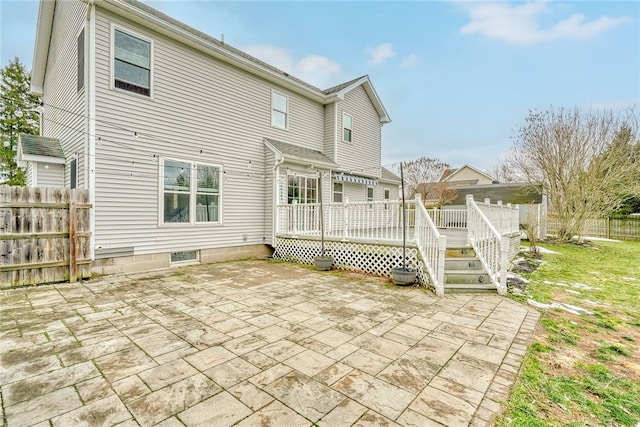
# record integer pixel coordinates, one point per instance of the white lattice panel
(365, 257)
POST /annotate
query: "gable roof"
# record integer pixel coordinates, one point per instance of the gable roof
(451, 175)
(155, 20)
(39, 148)
(297, 154)
(387, 175)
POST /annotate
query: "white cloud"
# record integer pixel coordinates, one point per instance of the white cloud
(315, 69)
(519, 23)
(380, 53)
(409, 60)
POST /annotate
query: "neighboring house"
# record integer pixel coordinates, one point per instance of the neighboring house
(465, 176)
(43, 160)
(187, 144)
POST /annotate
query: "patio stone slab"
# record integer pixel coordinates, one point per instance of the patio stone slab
(220, 410)
(43, 407)
(172, 399)
(382, 397)
(443, 407)
(275, 414)
(343, 415)
(230, 373)
(307, 397)
(104, 412)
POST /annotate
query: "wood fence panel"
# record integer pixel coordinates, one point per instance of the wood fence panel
(619, 227)
(38, 232)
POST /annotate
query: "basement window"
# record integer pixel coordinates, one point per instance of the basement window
(184, 257)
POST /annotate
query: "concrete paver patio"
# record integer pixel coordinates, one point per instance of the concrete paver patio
(256, 343)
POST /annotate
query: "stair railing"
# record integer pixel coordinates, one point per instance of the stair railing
(431, 245)
(490, 246)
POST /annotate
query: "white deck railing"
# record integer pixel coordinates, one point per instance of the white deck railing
(504, 218)
(490, 245)
(373, 221)
(449, 218)
(431, 245)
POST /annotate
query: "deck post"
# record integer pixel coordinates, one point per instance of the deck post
(294, 209)
(504, 264)
(469, 200)
(345, 218)
(442, 249)
(416, 230)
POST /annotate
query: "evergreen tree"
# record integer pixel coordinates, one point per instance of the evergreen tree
(18, 114)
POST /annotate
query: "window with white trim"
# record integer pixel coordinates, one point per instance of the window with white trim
(80, 60)
(191, 192)
(347, 128)
(387, 194)
(338, 191)
(370, 195)
(279, 110)
(302, 189)
(131, 63)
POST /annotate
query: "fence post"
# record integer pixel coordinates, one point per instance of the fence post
(294, 210)
(73, 242)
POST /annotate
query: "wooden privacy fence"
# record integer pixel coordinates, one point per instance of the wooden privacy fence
(45, 235)
(620, 227)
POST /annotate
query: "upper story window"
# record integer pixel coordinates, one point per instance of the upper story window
(338, 191)
(279, 110)
(191, 192)
(80, 60)
(131, 63)
(347, 128)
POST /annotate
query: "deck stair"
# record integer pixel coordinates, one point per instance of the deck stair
(463, 271)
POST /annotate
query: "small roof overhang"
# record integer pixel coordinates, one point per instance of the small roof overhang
(33, 148)
(299, 155)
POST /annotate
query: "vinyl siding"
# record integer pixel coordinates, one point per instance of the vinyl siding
(329, 149)
(363, 154)
(52, 176)
(65, 111)
(198, 103)
(28, 175)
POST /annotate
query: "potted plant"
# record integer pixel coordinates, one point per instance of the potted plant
(403, 275)
(323, 262)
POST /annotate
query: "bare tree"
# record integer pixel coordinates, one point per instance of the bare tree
(504, 171)
(584, 159)
(423, 176)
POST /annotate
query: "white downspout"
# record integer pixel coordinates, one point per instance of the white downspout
(91, 106)
(276, 199)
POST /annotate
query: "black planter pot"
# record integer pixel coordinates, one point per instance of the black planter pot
(323, 263)
(403, 276)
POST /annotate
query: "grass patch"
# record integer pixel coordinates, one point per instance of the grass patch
(583, 370)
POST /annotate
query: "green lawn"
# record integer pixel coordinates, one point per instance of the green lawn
(583, 370)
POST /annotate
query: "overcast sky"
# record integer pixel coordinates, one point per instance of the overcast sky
(455, 77)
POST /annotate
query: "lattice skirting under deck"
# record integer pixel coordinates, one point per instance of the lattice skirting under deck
(368, 258)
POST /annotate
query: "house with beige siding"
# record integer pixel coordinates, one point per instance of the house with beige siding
(188, 145)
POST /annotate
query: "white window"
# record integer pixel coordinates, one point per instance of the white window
(191, 192)
(131, 63)
(302, 189)
(279, 110)
(370, 195)
(387, 194)
(347, 128)
(338, 191)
